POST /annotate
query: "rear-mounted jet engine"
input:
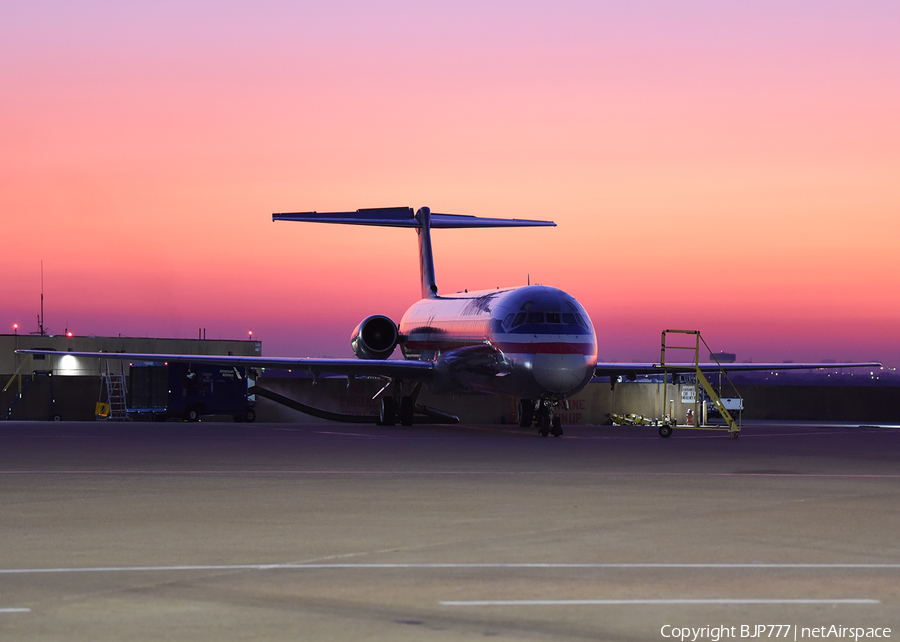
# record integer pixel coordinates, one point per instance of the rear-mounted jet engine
(375, 337)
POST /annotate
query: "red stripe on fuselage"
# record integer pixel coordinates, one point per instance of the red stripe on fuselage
(546, 347)
(509, 347)
(444, 344)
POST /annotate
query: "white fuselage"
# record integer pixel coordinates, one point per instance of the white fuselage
(530, 342)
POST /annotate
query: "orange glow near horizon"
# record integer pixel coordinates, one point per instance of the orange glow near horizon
(729, 169)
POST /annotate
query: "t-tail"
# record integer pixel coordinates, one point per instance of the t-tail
(423, 220)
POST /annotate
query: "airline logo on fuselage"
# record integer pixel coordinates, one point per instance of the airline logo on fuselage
(479, 305)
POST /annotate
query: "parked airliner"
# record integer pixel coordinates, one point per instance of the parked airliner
(535, 343)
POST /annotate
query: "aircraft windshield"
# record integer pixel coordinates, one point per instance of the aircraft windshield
(544, 318)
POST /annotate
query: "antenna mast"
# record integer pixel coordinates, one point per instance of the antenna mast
(41, 317)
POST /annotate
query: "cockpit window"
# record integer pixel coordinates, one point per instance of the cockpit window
(527, 305)
(508, 320)
(581, 320)
(553, 317)
(519, 320)
(535, 317)
(568, 318)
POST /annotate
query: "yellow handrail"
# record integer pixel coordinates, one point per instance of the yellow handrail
(733, 426)
(18, 373)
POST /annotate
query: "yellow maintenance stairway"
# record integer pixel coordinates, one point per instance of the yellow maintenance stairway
(733, 428)
(696, 419)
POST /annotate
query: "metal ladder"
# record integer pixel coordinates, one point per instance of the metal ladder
(734, 429)
(22, 382)
(115, 394)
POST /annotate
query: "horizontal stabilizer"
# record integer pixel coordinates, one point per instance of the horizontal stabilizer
(405, 217)
(387, 216)
(462, 220)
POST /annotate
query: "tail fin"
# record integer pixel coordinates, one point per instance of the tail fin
(426, 257)
(423, 221)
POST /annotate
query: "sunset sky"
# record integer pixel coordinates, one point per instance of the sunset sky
(730, 167)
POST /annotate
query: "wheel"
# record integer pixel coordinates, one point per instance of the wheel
(250, 415)
(526, 413)
(665, 431)
(557, 430)
(56, 417)
(407, 409)
(544, 430)
(736, 434)
(388, 415)
(191, 414)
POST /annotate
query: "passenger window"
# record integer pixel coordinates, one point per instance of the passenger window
(520, 319)
(536, 317)
(553, 317)
(568, 317)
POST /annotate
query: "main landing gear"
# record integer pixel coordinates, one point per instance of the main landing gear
(541, 413)
(391, 411)
(398, 406)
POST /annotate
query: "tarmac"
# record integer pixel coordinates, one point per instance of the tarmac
(221, 531)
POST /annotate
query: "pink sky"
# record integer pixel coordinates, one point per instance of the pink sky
(732, 169)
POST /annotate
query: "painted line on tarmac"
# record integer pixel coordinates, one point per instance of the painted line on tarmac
(436, 566)
(665, 602)
(438, 473)
(14, 610)
(349, 434)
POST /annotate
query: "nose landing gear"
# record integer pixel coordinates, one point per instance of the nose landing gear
(540, 412)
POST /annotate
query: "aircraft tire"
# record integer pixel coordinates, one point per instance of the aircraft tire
(544, 430)
(665, 431)
(526, 413)
(407, 409)
(388, 414)
(557, 430)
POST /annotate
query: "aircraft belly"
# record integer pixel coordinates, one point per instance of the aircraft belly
(519, 375)
(550, 374)
(552, 365)
(515, 381)
(559, 372)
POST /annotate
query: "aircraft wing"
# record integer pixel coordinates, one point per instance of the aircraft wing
(395, 369)
(405, 217)
(634, 369)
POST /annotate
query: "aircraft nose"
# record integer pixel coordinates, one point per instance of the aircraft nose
(559, 372)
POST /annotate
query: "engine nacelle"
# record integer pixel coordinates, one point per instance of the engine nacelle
(375, 337)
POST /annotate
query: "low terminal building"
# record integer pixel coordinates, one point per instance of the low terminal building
(62, 386)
